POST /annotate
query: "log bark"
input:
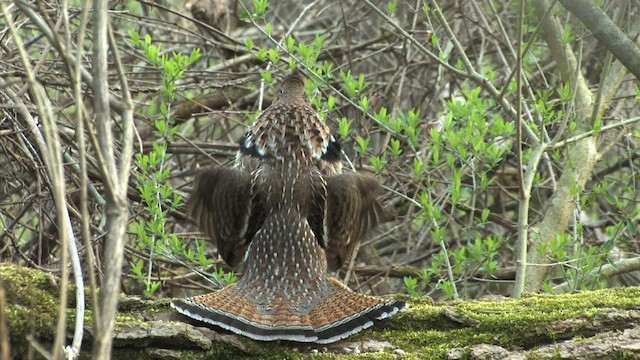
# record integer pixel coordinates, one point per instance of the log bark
(602, 324)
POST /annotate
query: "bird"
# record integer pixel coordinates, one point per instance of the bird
(287, 215)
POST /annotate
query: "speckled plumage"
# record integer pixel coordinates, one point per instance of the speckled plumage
(287, 215)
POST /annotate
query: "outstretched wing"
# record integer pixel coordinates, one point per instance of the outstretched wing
(352, 210)
(226, 210)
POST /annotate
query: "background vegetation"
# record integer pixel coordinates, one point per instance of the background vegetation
(505, 133)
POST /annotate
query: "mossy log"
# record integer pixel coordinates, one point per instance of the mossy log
(603, 324)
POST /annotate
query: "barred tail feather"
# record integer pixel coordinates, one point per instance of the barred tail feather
(341, 314)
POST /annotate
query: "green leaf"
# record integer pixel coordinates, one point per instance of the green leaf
(161, 126)
(151, 287)
(273, 56)
(350, 83)
(447, 288)
(378, 163)
(304, 50)
(632, 226)
(394, 147)
(597, 126)
(392, 6)
(249, 44)
(360, 82)
(319, 42)
(485, 215)
(193, 57)
(134, 36)
(363, 145)
(435, 40)
(164, 110)
(381, 116)
(262, 54)
(344, 127)
(137, 268)
(291, 43)
(331, 102)
(418, 167)
(259, 7)
(364, 103)
(567, 35)
(490, 267)
(172, 131)
(564, 92)
(266, 76)
(230, 278)
(411, 284)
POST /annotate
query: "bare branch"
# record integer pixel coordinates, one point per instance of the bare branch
(609, 35)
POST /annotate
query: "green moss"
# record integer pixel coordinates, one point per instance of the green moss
(126, 320)
(373, 356)
(267, 353)
(149, 306)
(435, 329)
(71, 317)
(32, 303)
(623, 355)
(424, 331)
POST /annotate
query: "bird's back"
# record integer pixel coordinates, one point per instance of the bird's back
(283, 172)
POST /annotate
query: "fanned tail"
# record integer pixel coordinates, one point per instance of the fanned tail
(336, 317)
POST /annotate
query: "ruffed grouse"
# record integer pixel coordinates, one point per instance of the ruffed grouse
(288, 215)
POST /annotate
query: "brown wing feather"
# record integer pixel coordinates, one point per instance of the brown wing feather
(222, 205)
(352, 211)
